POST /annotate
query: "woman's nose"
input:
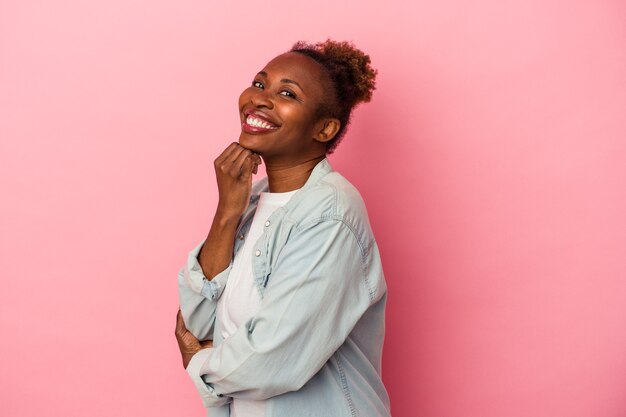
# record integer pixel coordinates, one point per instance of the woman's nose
(261, 99)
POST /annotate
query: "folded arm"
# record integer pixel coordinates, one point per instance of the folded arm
(318, 291)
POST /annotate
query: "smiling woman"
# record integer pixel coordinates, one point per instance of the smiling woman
(282, 305)
(277, 113)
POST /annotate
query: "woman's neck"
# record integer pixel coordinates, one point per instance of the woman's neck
(283, 178)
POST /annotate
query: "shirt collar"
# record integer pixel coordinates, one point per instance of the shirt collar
(320, 170)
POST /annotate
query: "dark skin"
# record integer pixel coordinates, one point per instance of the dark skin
(285, 96)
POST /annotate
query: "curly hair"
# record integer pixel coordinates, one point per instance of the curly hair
(352, 78)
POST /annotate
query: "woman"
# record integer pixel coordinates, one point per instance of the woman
(287, 290)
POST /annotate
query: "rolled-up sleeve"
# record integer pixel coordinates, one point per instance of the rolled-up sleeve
(318, 290)
(198, 296)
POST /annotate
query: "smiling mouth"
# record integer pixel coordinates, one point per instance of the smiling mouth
(259, 123)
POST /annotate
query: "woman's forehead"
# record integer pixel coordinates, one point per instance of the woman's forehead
(295, 66)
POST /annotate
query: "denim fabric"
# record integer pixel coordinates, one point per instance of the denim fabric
(314, 347)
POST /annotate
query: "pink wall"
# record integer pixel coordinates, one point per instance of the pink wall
(492, 160)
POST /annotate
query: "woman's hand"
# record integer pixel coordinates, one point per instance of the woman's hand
(187, 343)
(234, 169)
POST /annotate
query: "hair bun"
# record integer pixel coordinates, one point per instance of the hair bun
(356, 63)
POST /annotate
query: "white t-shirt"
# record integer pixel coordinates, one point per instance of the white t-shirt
(240, 299)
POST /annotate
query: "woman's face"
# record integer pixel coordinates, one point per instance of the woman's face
(279, 110)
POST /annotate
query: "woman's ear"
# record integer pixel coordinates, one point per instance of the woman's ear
(328, 129)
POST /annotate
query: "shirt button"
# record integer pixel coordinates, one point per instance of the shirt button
(267, 223)
(240, 237)
(257, 253)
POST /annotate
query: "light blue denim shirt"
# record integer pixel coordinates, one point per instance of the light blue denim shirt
(314, 347)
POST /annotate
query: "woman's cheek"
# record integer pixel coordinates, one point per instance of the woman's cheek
(242, 98)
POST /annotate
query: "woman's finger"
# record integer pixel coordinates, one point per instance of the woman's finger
(256, 160)
(238, 165)
(236, 154)
(227, 152)
(226, 165)
(249, 166)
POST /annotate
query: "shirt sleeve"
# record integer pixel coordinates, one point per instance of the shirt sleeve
(209, 397)
(198, 296)
(317, 292)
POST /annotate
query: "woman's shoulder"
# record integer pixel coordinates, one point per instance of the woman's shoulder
(332, 198)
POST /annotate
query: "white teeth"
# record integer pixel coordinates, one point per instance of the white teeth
(253, 121)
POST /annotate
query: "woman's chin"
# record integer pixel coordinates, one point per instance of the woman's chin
(251, 142)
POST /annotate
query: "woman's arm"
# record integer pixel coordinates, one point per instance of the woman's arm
(234, 169)
(210, 260)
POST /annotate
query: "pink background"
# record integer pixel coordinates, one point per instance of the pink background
(492, 160)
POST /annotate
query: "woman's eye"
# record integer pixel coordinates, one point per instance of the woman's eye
(288, 93)
(257, 84)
